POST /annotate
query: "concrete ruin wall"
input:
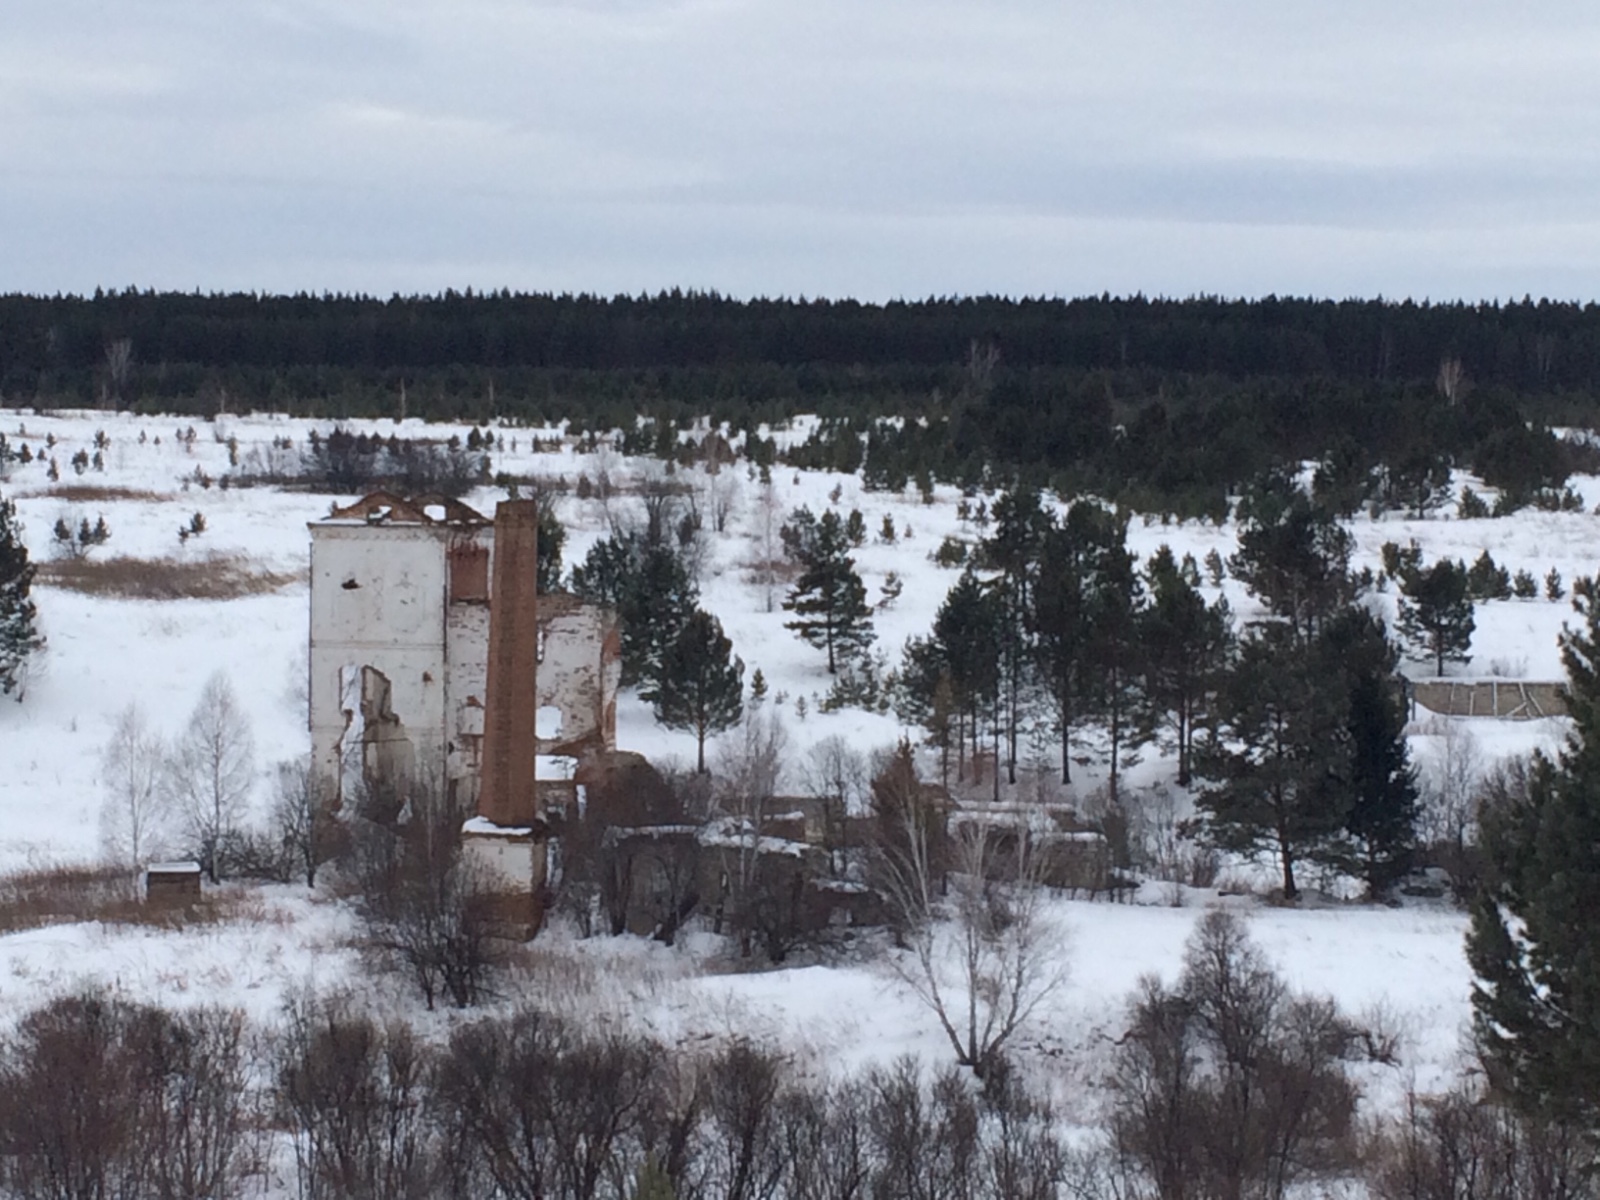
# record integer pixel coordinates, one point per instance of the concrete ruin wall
(400, 629)
(396, 661)
(580, 668)
(1507, 699)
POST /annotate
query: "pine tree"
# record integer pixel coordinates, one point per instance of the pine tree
(1061, 615)
(1113, 653)
(1269, 761)
(700, 683)
(19, 631)
(1536, 998)
(1186, 645)
(1487, 579)
(1436, 613)
(649, 587)
(1296, 557)
(552, 537)
(829, 600)
(1013, 549)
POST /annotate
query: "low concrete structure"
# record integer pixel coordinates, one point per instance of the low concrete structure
(1506, 699)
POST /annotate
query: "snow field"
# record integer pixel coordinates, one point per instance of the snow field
(105, 654)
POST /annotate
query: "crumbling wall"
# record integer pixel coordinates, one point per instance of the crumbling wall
(378, 604)
(466, 664)
(579, 664)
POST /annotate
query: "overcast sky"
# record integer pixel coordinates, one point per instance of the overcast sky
(871, 148)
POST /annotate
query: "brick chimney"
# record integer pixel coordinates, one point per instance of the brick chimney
(506, 794)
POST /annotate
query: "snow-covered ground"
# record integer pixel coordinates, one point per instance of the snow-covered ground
(104, 654)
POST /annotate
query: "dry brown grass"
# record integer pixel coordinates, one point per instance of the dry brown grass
(70, 895)
(215, 577)
(88, 493)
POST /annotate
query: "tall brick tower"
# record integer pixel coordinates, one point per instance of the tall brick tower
(507, 793)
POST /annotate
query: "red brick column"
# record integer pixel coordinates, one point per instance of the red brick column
(506, 795)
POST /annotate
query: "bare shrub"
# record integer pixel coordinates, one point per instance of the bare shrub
(534, 1106)
(100, 1098)
(354, 1096)
(1229, 1085)
(425, 911)
(217, 576)
(189, 1090)
(65, 1081)
(746, 1152)
(926, 1142)
(1462, 1145)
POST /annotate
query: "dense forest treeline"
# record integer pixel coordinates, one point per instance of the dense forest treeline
(1168, 398)
(1528, 346)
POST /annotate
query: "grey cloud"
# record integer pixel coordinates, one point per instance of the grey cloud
(874, 147)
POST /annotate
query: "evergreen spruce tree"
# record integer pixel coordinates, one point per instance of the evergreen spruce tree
(1380, 784)
(964, 651)
(700, 683)
(1436, 613)
(829, 601)
(19, 631)
(1532, 944)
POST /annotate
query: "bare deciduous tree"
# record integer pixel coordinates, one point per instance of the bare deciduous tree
(722, 494)
(982, 954)
(119, 362)
(304, 829)
(211, 772)
(134, 825)
(1452, 379)
(769, 544)
(836, 773)
(749, 768)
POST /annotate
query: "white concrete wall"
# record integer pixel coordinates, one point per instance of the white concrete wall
(466, 681)
(508, 864)
(392, 620)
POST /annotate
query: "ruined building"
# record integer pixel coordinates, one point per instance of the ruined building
(434, 662)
